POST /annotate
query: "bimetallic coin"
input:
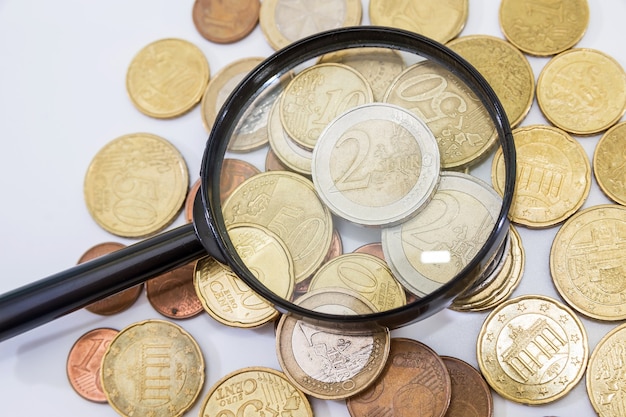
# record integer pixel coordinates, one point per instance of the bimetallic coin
(428, 250)
(609, 163)
(172, 294)
(450, 109)
(587, 262)
(471, 396)
(152, 367)
(365, 274)
(376, 165)
(544, 27)
(287, 204)
(335, 362)
(415, 382)
(504, 67)
(286, 21)
(532, 349)
(435, 19)
(316, 96)
(379, 66)
(115, 303)
(84, 360)
(605, 375)
(293, 157)
(167, 78)
(136, 185)
(255, 389)
(228, 299)
(225, 21)
(553, 176)
(582, 91)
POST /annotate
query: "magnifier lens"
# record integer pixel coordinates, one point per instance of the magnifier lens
(365, 136)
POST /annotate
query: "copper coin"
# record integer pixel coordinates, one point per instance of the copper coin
(115, 303)
(84, 360)
(225, 21)
(415, 382)
(173, 293)
(191, 196)
(471, 396)
(234, 172)
(375, 249)
(272, 163)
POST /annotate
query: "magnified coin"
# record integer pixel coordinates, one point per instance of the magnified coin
(167, 78)
(225, 22)
(115, 303)
(84, 360)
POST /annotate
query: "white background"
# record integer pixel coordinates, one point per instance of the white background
(62, 97)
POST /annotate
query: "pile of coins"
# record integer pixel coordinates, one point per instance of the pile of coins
(531, 349)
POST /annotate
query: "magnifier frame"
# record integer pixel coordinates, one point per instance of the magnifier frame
(210, 223)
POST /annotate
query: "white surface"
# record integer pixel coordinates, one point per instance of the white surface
(62, 97)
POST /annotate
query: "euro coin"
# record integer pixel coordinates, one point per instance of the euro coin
(609, 163)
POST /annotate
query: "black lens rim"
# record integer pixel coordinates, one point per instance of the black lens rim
(215, 239)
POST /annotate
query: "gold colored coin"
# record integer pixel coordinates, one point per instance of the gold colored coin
(136, 185)
(532, 349)
(335, 362)
(459, 121)
(152, 368)
(609, 163)
(544, 27)
(286, 21)
(379, 66)
(292, 157)
(365, 274)
(504, 67)
(287, 204)
(582, 91)
(253, 390)
(316, 96)
(605, 373)
(435, 19)
(167, 78)
(553, 176)
(587, 262)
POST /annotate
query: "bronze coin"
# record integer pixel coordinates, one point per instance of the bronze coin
(225, 21)
(115, 303)
(375, 249)
(272, 163)
(471, 396)
(84, 360)
(415, 382)
(191, 196)
(173, 293)
(234, 172)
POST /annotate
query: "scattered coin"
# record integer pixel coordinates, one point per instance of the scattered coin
(587, 262)
(136, 185)
(173, 295)
(532, 349)
(152, 367)
(544, 27)
(225, 22)
(273, 163)
(553, 176)
(255, 388)
(83, 363)
(375, 249)
(286, 21)
(287, 204)
(291, 156)
(604, 373)
(414, 382)
(191, 196)
(582, 91)
(609, 163)
(504, 67)
(460, 122)
(234, 172)
(115, 303)
(331, 362)
(471, 395)
(376, 165)
(167, 78)
(441, 21)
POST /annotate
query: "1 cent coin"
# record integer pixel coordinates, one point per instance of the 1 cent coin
(471, 395)
(173, 294)
(225, 21)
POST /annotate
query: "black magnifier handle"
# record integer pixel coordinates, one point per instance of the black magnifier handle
(37, 303)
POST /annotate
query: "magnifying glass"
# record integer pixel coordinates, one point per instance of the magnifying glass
(399, 154)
